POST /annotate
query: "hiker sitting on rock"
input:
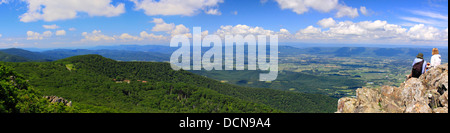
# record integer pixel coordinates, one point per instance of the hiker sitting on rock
(436, 58)
(418, 67)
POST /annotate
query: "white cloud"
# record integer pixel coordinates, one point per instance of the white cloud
(327, 22)
(174, 7)
(302, 6)
(181, 29)
(162, 26)
(371, 31)
(422, 32)
(126, 36)
(375, 25)
(364, 10)
(309, 32)
(96, 36)
(170, 28)
(60, 33)
(31, 35)
(284, 34)
(242, 30)
(72, 29)
(445, 34)
(4, 1)
(53, 10)
(346, 11)
(145, 35)
(213, 12)
(377, 31)
(426, 17)
(1, 35)
(430, 14)
(235, 12)
(245, 30)
(420, 20)
(54, 26)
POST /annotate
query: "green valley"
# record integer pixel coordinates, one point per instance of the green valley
(98, 84)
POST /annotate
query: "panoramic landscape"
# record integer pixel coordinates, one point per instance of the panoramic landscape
(114, 56)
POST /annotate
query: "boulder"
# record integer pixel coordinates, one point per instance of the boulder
(368, 100)
(443, 99)
(440, 110)
(56, 99)
(347, 105)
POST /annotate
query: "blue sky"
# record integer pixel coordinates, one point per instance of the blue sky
(81, 23)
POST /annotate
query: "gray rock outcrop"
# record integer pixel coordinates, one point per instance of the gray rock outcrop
(426, 94)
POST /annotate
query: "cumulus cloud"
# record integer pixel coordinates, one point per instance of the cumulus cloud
(302, 6)
(422, 32)
(31, 35)
(181, 29)
(160, 25)
(346, 11)
(96, 36)
(53, 10)
(309, 32)
(60, 33)
(244, 30)
(72, 29)
(327, 22)
(364, 10)
(126, 36)
(371, 31)
(174, 7)
(145, 36)
(54, 26)
(213, 12)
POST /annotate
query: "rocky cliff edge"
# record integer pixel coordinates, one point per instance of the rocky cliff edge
(426, 94)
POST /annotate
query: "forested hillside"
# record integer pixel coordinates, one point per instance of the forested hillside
(31, 56)
(16, 96)
(98, 84)
(11, 58)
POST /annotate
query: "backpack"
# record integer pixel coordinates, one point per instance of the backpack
(417, 69)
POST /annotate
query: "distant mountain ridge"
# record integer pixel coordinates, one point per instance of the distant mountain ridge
(21, 55)
(120, 55)
(33, 56)
(12, 58)
(408, 53)
(162, 53)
